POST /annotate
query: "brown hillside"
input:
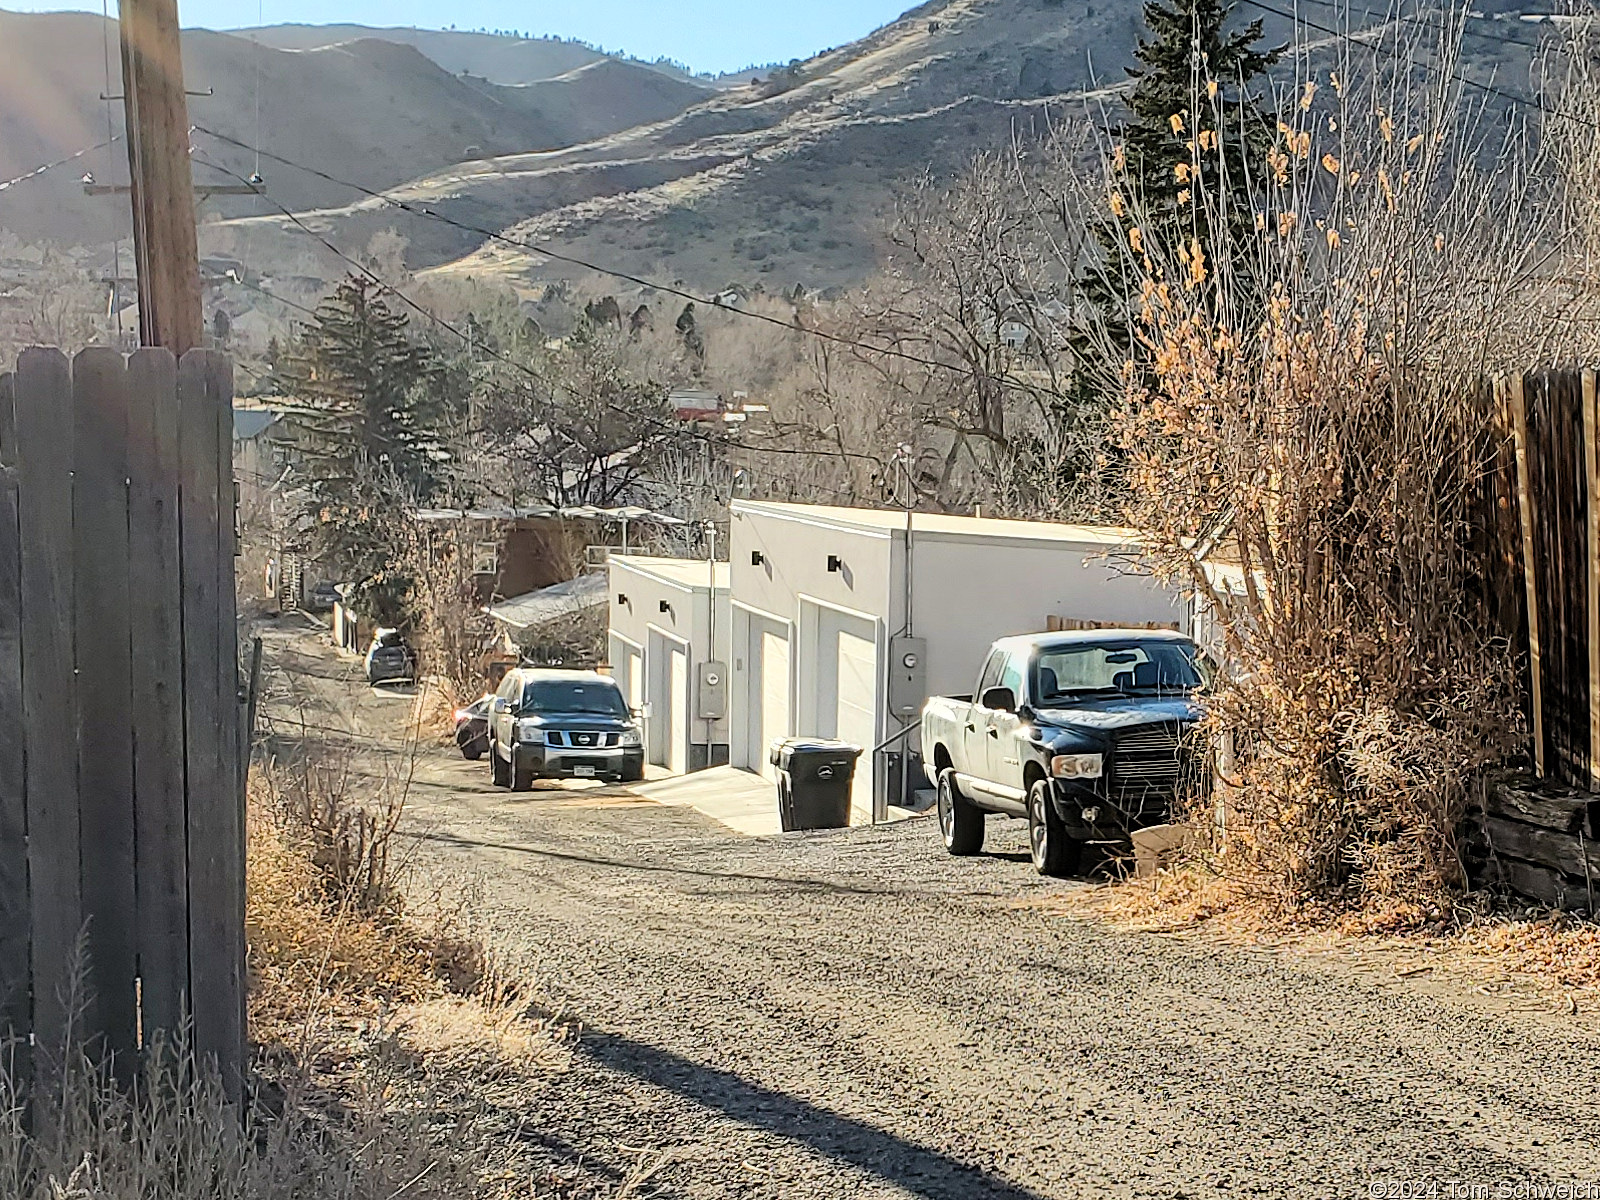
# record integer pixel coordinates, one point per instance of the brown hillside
(376, 112)
(786, 181)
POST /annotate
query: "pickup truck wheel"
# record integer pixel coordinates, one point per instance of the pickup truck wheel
(499, 768)
(960, 823)
(521, 774)
(1054, 853)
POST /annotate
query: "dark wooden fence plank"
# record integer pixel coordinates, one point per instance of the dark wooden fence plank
(1547, 847)
(44, 434)
(215, 828)
(1558, 502)
(1527, 520)
(105, 699)
(1562, 809)
(1542, 883)
(1591, 558)
(1569, 537)
(155, 595)
(15, 990)
(230, 947)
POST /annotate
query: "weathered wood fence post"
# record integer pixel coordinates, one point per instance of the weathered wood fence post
(121, 805)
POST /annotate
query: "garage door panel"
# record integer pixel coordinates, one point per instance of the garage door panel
(855, 718)
(678, 748)
(769, 711)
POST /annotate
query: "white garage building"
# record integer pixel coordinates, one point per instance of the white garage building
(669, 637)
(821, 597)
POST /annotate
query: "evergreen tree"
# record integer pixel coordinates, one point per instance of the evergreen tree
(364, 420)
(1192, 158)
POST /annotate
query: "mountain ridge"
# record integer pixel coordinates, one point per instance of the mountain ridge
(374, 111)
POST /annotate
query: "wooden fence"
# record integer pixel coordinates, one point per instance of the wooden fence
(1534, 831)
(121, 809)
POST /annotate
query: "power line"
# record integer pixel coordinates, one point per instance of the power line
(1432, 68)
(60, 162)
(257, 288)
(626, 277)
(371, 276)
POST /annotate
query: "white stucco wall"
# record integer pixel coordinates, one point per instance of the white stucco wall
(795, 549)
(969, 588)
(967, 593)
(687, 620)
(792, 586)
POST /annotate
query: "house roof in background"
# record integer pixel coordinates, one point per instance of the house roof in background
(691, 574)
(531, 512)
(532, 609)
(251, 422)
(893, 521)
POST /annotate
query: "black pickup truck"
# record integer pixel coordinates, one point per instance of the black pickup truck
(1089, 735)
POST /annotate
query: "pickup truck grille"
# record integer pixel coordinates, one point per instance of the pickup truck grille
(1148, 767)
(581, 739)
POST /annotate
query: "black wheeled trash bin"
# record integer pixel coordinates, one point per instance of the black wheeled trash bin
(814, 777)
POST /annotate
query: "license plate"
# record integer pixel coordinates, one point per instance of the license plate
(583, 772)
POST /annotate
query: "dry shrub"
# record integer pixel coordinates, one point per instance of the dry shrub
(434, 712)
(1309, 444)
(452, 633)
(306, 948)
(489, 1030)
(326, 921)
(1174, 900)
(345, 820)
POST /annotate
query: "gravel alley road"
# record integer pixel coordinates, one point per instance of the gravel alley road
(855, 1014)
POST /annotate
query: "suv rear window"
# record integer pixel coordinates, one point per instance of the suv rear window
(591, 697)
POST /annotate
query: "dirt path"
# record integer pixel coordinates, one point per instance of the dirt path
(853, 1013)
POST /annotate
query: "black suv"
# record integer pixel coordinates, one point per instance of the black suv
(549, 724)
(389, 659)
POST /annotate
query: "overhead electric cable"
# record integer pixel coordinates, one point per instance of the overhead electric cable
(422, 311)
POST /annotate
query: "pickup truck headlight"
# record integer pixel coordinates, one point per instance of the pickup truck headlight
(1077, 766)
(631, 738)
(530, 733)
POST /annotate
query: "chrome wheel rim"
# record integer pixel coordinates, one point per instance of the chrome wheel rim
(947, 816)
(1037, 832)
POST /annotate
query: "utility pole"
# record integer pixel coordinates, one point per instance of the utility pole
(166, 253)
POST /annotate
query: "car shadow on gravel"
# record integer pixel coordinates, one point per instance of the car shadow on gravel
(917, 1169)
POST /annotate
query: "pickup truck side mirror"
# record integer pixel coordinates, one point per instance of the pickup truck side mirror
(501, 705)
(1002, 699)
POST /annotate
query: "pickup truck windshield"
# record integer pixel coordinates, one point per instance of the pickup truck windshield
(1129, 668)
(573, 696)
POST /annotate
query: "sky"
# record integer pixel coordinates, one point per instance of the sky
(708, 35)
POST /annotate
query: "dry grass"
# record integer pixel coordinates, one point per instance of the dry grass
(309, 952)
(1477, 941)
(374, 1030)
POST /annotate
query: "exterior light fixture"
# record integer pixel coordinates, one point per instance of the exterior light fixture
(757, 558)
(835, 563)
(665, 607)
(622, 597)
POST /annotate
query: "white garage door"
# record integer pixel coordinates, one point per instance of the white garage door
(678, 746)
(766, 692)
(627, 668)
(856, 716)
(666, 676)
